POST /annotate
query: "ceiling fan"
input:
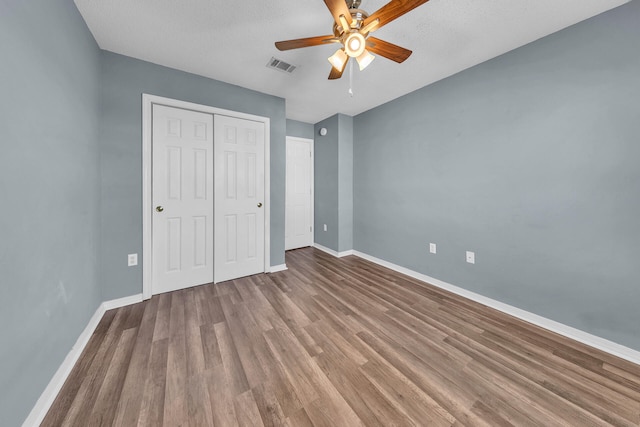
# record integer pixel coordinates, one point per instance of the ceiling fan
(352, 28)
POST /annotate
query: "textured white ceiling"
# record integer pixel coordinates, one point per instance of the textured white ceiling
(232, 41)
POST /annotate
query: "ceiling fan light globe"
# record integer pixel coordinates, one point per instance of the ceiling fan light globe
(338, 59)
(354, 44)
(365, 59)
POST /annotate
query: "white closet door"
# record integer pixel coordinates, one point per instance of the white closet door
(239, 198)
(182, 224)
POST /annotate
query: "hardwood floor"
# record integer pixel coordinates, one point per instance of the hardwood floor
(336, 342)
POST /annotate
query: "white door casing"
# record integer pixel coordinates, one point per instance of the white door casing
(299, 193)
(182, 198)
(239, 197)
(148, 208)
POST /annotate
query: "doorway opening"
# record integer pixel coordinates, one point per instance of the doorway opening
(299, 194)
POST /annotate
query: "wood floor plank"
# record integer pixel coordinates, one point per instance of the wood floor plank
(161, 330)
(337, 342)
(213, 303)
(128, 409)
(261, 311)
(193, 338)
(277, 380)
(231, 362)
(228, 289)
(286, 309)
(325, 335)
(405, 395)
(367, 401)
(107, 400)
(486, 413)
(199, 411)
(450, 396)
(244, 332)
(222, 395)
(175, 408)
(152, 404)
(332, 410)
(86, 398)
(247, 411)
(210, 346)
(269, 408)
(290, 356)
(246, 288)
(300, 419)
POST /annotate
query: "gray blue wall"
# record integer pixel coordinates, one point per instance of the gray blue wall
(50, 188)
(532, 161)
(345, 183)
(333, 177)
(325, 192)
(124, 80)
(299, 129)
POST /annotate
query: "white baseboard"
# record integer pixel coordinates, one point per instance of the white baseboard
(276, 268)
(332, 252)
(584, 337)
(122, 302)
(50, 393)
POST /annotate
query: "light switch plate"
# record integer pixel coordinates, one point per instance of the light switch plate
(432, 248)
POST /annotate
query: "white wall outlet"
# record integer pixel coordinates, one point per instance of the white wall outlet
(325, 227)
(132, 259)
(432, 248)
(471, 257)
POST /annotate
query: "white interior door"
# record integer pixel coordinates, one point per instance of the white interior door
(239, 197)
(299, 194)
(182, 193)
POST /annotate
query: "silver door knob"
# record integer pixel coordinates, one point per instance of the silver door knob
(159, 208)
(259, 204)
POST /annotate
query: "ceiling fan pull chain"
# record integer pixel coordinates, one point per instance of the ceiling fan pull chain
(351, 78)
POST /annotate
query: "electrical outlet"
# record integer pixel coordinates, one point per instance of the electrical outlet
(471, 257)
(325, 227)
(132, 259)
(432, 248)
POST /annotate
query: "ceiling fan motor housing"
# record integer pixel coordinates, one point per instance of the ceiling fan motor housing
(357, 18)
(353, 4)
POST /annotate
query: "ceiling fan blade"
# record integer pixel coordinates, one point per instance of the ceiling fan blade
(390, 11)
(388, 50)
(306, 42)
(335, 73)
(337, 8)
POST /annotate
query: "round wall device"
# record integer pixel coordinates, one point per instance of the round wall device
(323, 131)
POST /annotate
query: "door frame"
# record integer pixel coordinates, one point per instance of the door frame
(148, 101)
(312, 183)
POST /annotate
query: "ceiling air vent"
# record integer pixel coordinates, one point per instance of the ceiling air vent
(280, 65)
